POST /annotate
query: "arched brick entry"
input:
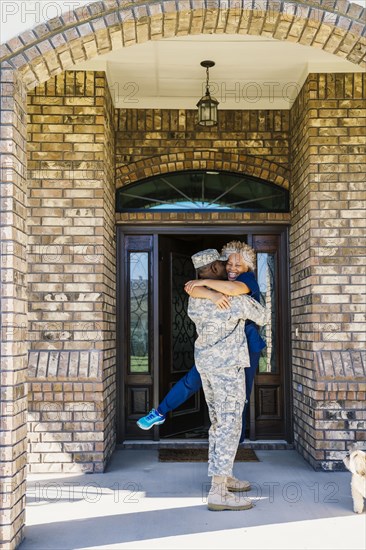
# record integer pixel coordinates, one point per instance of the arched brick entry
(96, 29)
(202, 160)
(57, 45)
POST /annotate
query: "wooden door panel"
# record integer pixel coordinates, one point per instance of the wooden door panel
(268, 402)
(268, 391)
(138, 401)
(137, 331)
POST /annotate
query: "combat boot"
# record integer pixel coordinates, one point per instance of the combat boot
(220, 499)
(235, 485)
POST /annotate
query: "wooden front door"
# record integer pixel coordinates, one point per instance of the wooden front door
(155, 336)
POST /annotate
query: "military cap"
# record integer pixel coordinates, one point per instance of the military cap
(205, 257)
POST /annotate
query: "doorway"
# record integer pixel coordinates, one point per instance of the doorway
(156, 337)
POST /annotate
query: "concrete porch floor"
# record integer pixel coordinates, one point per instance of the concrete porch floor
(143, 503)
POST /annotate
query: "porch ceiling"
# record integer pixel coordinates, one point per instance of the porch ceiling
(251, 72)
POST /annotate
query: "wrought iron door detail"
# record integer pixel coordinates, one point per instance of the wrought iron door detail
(183, 330)
(139, 312)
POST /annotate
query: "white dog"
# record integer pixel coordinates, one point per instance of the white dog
(356, 464)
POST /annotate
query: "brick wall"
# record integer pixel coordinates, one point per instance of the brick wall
(143, 133)
(71, 274)
(13, 308)
(327, 247)
(155, 141)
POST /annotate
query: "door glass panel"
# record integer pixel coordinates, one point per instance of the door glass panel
(139, 311)
(183, 330)
(266, 264)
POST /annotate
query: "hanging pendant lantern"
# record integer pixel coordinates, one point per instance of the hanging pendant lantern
(207, 105)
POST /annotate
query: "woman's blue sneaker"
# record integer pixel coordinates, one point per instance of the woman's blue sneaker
(153, 418)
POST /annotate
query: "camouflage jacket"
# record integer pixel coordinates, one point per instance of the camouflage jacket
(221, 340)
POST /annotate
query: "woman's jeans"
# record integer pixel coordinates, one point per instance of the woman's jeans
(191, 383)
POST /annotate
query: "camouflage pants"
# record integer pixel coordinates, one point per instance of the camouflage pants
(224, 389)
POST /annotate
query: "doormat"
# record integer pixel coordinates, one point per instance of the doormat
(201, 455)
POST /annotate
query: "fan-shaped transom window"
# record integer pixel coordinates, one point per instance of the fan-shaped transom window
(203, 191)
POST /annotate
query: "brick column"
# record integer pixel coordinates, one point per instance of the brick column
(13, 350)
(328, 286)
(72, 274)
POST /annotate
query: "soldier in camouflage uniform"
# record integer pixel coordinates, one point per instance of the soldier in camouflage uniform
(221, 356)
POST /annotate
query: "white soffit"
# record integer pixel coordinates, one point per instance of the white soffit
(251, 72)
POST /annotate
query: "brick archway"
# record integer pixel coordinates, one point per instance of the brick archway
(56, 45)
(203, 160)
(98, 28)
